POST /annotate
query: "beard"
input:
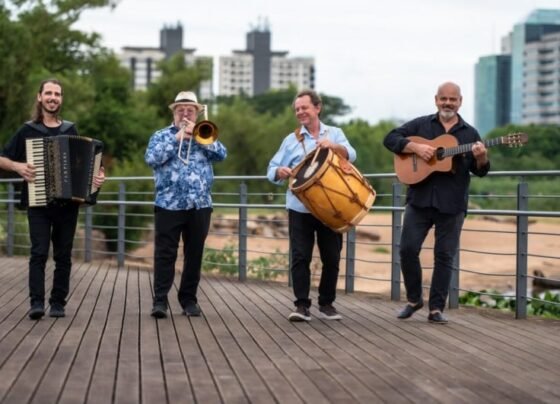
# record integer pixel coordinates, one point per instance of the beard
(50, 108)
(447, 113)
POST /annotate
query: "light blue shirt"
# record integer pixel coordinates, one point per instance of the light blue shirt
(181, 186)
(291, 153)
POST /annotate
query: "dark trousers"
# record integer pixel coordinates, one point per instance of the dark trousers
(302, 227)
(170, 225)
(417, 223)
(56, 223)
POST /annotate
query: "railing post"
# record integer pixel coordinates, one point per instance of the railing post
(454, 281)
(396, 226)
(88, 225)
(10, 236)
(242, 232)
(121, 231)
(350, 260)
(521, 251)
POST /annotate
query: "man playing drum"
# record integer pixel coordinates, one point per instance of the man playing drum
(310, 135)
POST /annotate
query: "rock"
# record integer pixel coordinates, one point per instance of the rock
(542, 282)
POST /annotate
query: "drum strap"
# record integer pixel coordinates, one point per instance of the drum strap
(300, 139)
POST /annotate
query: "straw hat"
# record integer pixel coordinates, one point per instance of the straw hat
(186, 98)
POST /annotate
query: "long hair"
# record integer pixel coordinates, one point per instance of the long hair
(37, 113)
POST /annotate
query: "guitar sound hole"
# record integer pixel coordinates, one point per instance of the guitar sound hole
(440, 153)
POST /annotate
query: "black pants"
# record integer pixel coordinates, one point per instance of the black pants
(170, 225)
(303, 227)
(417, 223)
(56, 223)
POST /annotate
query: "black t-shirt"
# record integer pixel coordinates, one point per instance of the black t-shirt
(15, 148)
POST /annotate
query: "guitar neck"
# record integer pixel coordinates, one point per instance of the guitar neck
(467, 147)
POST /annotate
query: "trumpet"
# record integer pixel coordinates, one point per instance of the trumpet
(205, 132)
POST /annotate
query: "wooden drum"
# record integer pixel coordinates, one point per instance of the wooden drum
(332, 189)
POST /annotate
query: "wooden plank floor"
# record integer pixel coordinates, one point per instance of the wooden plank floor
(243, 350)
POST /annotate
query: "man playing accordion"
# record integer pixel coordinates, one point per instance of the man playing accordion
(57, 220)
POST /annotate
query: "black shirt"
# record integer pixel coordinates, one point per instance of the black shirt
(446, 191)
(15, 148)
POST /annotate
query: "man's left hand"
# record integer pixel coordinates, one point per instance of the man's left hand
(98, 180)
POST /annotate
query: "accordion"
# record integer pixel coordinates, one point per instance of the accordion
(65, 166)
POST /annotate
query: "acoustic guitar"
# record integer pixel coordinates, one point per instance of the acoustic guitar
(411, 169)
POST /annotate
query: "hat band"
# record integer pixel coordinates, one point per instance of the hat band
(185, 100)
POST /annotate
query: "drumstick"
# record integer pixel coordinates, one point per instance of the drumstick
(312, 166)
(318, 148)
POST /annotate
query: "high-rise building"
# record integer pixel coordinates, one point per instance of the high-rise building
(541, 73)
(532, 29)
(258, 69)
(533, 92)
(492, 92)
(142, 61)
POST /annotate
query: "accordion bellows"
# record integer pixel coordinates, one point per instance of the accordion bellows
(65, 166)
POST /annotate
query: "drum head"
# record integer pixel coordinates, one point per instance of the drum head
(308, 168)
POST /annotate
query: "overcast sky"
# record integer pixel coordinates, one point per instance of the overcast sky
(383, 58)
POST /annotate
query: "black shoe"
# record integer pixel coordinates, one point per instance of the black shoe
(409, 310)
(37, 311)
(57, 310)
(328, 312)
(301, 314)
(191, 309)
(437, 318)
(159, 310)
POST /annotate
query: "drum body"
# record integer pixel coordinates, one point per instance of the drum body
(332, 189)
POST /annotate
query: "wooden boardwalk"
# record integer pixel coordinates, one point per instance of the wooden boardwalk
(243, 350)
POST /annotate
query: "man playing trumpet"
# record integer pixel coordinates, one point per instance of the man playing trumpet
(183, 175)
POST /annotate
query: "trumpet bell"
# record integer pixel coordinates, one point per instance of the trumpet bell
(205, 132)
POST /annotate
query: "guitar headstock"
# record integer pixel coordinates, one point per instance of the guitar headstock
(517, 139)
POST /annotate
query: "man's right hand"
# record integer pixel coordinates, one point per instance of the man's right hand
(283, 172)
(424, 151)
(25, 170)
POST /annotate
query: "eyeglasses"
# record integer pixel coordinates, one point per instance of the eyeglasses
(186, 110)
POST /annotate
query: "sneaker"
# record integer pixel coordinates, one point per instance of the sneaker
(191, 309)
(328, 312)
(57, 310)
(300, 314)
(159, 310)
(37, 311)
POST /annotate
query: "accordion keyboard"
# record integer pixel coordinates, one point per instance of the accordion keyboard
(38, 188)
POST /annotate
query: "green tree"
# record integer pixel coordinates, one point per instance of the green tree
(540, 153)
(373, 157)
(275, 102)
(16, 66)
(38, 41)
(176, 76)
(107, 108)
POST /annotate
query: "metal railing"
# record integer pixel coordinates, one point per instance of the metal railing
(119, 209)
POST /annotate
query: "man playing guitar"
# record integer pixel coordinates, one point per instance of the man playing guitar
(440, 200)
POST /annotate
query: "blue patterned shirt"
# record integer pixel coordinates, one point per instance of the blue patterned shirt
(180, 186)
(291, 153)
